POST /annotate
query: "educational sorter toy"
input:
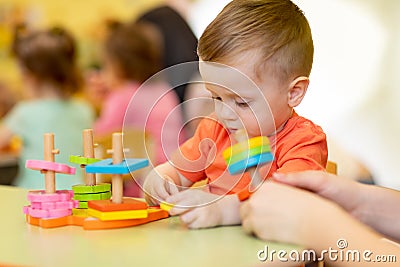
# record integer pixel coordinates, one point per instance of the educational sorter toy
(90, 190)
(246, 155)
(98, 211)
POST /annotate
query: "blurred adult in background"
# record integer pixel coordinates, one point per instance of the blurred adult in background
(179, 44)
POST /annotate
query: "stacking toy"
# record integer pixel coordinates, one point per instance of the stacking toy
(90, 190)
(245, 156)
(50, 208)
(120, 208)
(49, 203)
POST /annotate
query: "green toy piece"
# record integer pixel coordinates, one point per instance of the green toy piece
(91, 189)
(82, 160)
(95, 196)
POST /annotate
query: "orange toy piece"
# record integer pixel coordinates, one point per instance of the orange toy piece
(108, 205)
(55, 222)
(96, 224)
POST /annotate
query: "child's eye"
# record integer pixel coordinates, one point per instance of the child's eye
(242, 104)
(216, 98)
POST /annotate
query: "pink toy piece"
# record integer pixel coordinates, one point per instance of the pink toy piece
(49, 166)
(55, 205)
(39, 213)
(41, 196)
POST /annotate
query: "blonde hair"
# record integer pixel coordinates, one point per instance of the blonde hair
(277, 29)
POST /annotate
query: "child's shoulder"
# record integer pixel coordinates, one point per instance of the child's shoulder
(300, 124)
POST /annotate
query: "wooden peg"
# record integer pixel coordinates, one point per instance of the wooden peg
(50, 177)
(117, 158)
(111, 151)
(88, 152)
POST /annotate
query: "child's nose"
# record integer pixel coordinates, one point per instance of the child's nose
(226, 112)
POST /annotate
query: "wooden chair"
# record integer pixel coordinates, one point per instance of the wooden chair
(331, 167)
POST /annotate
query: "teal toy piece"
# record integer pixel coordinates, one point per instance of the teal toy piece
(107, 167)
(243, 165)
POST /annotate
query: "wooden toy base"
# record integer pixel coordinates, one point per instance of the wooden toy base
(90, 223)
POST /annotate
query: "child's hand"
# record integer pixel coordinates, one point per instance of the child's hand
(158, 188)
(197, 209)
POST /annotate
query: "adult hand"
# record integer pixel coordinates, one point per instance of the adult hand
(287, 214)
(346, 193)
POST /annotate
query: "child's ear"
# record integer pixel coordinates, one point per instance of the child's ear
(297, 90)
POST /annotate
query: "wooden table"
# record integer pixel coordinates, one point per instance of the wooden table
(162, 243)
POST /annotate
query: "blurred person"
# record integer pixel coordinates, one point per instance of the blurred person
(47, 61)
(179, 44)
(131, 57)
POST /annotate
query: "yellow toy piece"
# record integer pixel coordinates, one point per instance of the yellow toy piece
(80, 212)
(245, 145)
(118, 215)
(166, 206)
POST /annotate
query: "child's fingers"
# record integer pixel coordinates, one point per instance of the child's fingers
(189, 218)
(170, 186)
(178, 198)
(180, 202)
(178, 210)
(160, 192)
(151, 201)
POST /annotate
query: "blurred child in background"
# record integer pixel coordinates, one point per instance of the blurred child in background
(132, 55)
(7, 99)
(47, 60)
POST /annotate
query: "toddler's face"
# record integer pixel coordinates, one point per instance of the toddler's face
(242, 101)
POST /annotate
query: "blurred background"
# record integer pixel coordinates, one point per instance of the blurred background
(353, 92)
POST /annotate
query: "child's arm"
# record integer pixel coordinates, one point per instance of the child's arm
(162, 182)
(199, 209)
(365, 202)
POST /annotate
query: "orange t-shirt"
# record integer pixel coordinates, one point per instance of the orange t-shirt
(300, 145)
